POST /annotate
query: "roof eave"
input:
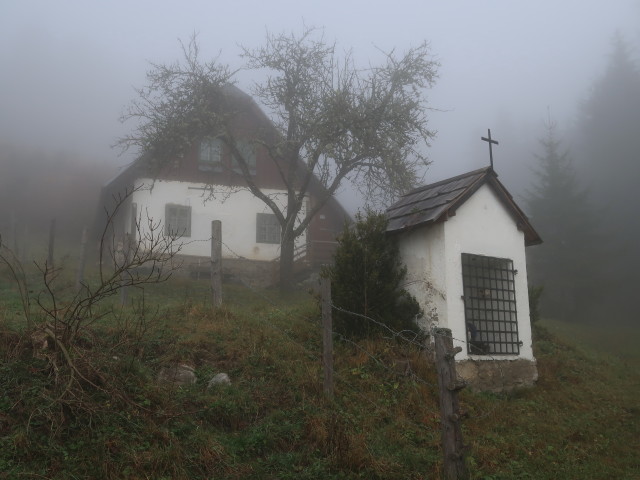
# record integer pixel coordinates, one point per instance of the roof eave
(522, 221)
(488, 176)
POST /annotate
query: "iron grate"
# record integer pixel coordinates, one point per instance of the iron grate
(490, 305)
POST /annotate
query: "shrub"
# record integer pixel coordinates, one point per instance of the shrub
(535, 292)
(366, 280)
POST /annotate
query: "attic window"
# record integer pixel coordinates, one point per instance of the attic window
(177, 220)
(248, 152)
(210, 155)
(490, 305)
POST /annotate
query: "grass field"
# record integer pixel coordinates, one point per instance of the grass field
(617, 341)
(580, 421)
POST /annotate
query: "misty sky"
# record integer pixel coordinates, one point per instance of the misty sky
(69, 67)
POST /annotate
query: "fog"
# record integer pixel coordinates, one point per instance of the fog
(69, 69)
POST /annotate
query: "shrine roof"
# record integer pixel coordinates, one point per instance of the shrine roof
(438, 201)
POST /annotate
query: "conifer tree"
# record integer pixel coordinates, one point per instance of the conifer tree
(610, 154)
(566, 264)
(366, 280)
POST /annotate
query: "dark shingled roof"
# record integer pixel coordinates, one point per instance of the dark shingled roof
(439, 201)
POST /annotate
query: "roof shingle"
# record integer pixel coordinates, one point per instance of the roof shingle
(438, 201)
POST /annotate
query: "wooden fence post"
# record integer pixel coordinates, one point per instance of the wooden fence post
(452, 446)
(25, 237)
(124, 255)
(14, 227)
(83, 259)
(327, 337)
(216, 262)
(52, 236)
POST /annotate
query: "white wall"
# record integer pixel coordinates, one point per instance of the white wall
(422, 251)
(237, 213)
(481, 226)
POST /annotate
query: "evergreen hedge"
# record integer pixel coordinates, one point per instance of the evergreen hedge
(366, 282)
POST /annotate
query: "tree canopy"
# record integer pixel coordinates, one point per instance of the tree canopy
(335, 122)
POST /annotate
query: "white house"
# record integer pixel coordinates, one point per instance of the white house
(463, 241)
(187, 194)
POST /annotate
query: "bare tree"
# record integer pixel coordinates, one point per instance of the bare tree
(60, 317)
(332, 121)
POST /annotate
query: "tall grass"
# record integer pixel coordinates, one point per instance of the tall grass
(579, 422)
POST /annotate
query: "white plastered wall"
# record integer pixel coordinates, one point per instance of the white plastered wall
(422, 252)
(237, 214)
(481, 226)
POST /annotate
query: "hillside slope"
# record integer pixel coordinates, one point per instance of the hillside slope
(580, 421)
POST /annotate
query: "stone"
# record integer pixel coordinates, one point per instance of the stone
(498, 375)
(219, 379)
(178, 375)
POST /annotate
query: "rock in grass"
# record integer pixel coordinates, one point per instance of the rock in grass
(177, 374)
(219, 379)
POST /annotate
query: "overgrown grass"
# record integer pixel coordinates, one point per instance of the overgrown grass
(579, 422)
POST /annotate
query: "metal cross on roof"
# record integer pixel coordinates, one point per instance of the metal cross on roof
(488, 139)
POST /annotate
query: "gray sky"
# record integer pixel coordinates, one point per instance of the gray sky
(69, 67)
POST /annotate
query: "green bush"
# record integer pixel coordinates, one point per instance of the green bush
(535, 292)
(366, 281)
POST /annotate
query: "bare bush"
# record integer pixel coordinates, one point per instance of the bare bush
(59, 327)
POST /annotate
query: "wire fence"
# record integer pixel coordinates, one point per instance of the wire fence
(419, 349)
(344, 378)
(406, 338)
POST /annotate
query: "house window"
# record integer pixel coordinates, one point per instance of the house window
(177, 220)
(248, 152)
(490, 305)
(210, 155)
(267, 228)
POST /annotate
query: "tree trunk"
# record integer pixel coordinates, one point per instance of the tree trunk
(286, 261)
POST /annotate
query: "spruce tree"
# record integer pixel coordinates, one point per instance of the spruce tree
(566, 264)
(366, 282)
(610, 154)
